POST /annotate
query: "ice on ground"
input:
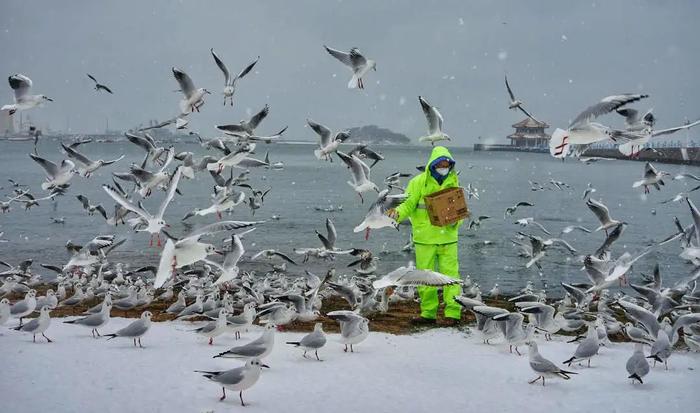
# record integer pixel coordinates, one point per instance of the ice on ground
(439, 370)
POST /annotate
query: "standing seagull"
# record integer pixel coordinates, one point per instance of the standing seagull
(544, 367)
(518, 104)
(312, 341)
(434, 118)
(356, 62)
(89, 166)
(21, 84)
(99, 86)
(637, 365)
(238, 379)
(230, 84)
(194, 98)
(135, 330)
(354, 328)
(38, 325)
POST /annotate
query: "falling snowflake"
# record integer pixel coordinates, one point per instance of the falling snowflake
(502, 55)
(402, 101)
(564, 38)
(461, 21)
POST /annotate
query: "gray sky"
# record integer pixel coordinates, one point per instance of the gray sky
(560, 57)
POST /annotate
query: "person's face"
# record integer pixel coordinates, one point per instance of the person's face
(443, 164)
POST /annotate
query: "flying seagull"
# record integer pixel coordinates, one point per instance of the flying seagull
(517, 104)
(229, 83)
(99, 86)
(356, 62)
(21, 84)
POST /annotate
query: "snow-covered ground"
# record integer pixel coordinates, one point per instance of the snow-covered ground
(439, 371)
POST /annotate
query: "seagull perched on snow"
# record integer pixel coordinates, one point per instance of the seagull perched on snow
(99, 86)
(434, 118)
(544, 367)
(230, 83)
(652, 177)
(517, 104)
(356, 62)
(582, 132)
(89, 166)
(21, 84)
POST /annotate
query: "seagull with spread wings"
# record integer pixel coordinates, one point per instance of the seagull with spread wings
(229, 82)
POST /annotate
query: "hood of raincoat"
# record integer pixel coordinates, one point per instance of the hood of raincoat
(439, 154)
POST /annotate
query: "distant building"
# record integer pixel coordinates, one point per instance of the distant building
(529, 133)
(7, 124)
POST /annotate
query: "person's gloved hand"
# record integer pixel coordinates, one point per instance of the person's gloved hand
(392, 213)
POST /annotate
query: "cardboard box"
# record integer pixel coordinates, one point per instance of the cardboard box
(447, 206)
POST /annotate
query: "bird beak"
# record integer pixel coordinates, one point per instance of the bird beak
(265, 366)
(207, 92)
(219, 252)
(49, 99)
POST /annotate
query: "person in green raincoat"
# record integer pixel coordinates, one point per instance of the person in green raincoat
(436, 247)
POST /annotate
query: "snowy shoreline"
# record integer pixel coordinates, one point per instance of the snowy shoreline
(430, 371)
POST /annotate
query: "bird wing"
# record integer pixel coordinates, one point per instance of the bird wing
(222, 66)
(237, 251)
(425, 277)
(342, 56)
(258, 117)
(50, 167)
(332, 234)
(20, 84)
(510, 91)
(675, 129)
(431, 115)
(119, 198)
(284, 257)
(144, 143)
(92, 77)
(606, 105)
(72, 153)
(356, 58)
(323, 132)
(599, 210)
(185, 82)
(246, 70)
(218, 227)
(171, 193)
(83, 199)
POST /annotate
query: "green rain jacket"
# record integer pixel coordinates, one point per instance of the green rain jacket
(413, 207)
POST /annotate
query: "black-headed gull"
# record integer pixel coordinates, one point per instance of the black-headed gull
(358, 64)
(229, 82)
(21, 84)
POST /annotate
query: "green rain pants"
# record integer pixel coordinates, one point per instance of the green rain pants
(443, 259)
